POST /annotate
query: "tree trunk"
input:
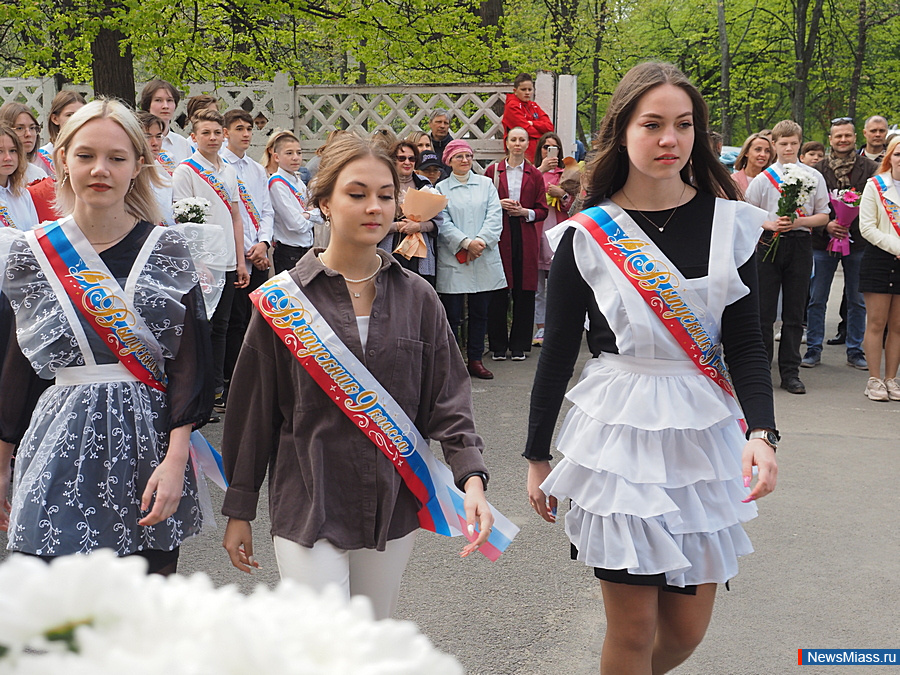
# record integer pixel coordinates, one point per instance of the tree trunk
(858, 57)
(805, 42)
(490, 12)
(601, 16)
(113, 67)
(725, 74)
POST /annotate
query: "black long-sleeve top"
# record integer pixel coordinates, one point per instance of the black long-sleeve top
(685, 241)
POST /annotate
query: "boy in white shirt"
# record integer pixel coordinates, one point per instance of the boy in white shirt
(256, 214)
(293, 226)
(789, 269)
(206, 175)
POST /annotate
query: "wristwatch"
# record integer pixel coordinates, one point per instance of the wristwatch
(769, 437)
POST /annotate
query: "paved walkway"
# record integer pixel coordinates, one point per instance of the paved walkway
(824, 574)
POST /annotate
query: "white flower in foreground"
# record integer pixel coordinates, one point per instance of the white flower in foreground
(128, 622)
(191, 210)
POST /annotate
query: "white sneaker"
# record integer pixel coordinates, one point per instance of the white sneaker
(893, 388)
(802, 339)
(876, 390)
(538, 338)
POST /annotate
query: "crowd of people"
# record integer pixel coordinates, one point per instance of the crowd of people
(124, 329)
(797, 272)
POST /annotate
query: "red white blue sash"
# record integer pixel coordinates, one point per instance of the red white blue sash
(892, 209)
(662, 287)
(294, 191)
(775, 179)
(47, 160)
(247, 201)
(362, 398)
(210, 179)
(98, 296)
(167, 162)
(6, 217)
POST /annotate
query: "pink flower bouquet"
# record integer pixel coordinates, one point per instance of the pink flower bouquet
(846, 208)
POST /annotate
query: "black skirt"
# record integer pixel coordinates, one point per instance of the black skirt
(626, 577)
(879, 272)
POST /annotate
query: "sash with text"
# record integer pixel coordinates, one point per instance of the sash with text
(892, 209)
(359, 395)
(658, 283)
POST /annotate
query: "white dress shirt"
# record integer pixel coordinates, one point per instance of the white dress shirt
(763, 194)
(252, 174)
(20, 207)
(186, 183)
(176, 147)
(514, 177)
(164, 195)
(292, 222)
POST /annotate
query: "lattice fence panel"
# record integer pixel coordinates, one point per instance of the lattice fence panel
(34, 92)
(475, 112)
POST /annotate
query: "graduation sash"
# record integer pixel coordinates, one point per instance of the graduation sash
(372, 410)
(294, 191)
(98, 297)
(6, 217)
(775, 179)
(247, 201)
(892, 209)
(210, 179)
(662, 287)
(47, 160)
(167, 162)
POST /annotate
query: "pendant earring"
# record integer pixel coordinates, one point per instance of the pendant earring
(65, 178)
(130, 187)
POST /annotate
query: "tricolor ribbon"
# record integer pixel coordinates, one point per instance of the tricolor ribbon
(47, 159)
(658, 283)
(210, 179)
(372, 410)
(294, 191)
(247, 201)
(892, 209)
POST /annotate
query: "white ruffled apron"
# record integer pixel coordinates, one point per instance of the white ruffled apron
(652, 447)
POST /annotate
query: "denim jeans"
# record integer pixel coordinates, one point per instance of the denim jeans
(824, 266)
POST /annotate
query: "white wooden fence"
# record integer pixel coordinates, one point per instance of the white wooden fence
(313, 111)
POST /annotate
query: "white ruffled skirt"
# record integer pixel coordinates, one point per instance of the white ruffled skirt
(653, 468)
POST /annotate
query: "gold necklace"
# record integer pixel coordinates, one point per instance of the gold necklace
(663, 226)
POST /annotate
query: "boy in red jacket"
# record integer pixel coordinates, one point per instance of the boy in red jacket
(522, 111)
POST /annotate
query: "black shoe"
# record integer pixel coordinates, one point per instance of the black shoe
(219, 404)
(214, 419)
(839, 339)
(498, 356)
(518, 356)
(793, 385)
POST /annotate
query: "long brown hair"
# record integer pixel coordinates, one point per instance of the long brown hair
(63, 99)
(607, 171)
(17, 177)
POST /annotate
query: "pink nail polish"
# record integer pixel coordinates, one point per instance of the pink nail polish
(747, 481)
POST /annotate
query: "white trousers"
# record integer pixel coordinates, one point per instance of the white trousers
(375, 574)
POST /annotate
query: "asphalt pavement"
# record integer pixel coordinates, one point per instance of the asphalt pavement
(824, 574)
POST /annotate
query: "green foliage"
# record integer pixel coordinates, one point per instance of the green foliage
(398, 41)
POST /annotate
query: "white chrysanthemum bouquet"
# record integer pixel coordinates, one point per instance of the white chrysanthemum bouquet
(191, 210)
(797, 186)
(102, 615)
